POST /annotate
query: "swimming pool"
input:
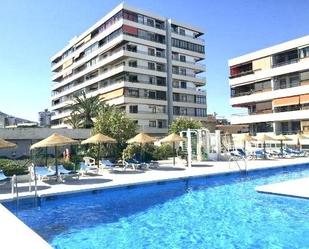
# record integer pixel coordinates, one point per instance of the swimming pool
(208, 212)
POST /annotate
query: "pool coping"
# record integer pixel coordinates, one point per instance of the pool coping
(145, 182)
(11, 226)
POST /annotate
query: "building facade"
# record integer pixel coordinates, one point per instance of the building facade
(272, 84)
(45, 118)
(145, 64)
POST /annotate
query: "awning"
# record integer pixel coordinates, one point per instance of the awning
(113, 94)
(130, 30)
(294, 100)
(87, 38)
(304, 99)
(67, 63)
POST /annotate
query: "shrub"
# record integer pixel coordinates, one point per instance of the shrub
(141, 153)
(162, 152)
(11, 167)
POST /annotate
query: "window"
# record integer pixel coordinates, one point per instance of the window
(162, 124)
(140, 19)
(131, 92)
(150, 22)
(200, 99)
(152, 123)
(182, 71)
(133, 78)
(183, 111)
(133, 109)
(161, 81)
(151, 66)
(151, 51)
(182, 31)
(182, 58)
(304, 52)
(152, 94)
(132, 48)
(151, 79)
(200, 112)
(161, 95)
(188, 45)
(160, 67)
(132, 63)
(183, 84)
(183, 98)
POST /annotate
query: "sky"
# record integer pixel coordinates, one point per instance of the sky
(34, 30)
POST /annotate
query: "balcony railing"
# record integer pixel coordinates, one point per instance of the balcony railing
(242, 74)
(287, 62)
(190, 36)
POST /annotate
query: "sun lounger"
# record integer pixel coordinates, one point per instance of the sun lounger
(3, 178)
(106, 164)
(63, 172)
(85, 169)
(42, 173)
(89, 161)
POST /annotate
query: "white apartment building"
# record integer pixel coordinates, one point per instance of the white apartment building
(146, 64)
(272, 84)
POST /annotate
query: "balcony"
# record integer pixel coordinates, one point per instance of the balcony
(269, 117)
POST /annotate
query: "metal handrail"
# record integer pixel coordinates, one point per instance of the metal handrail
(234, 158)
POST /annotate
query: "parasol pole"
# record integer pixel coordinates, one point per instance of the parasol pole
(174, 153)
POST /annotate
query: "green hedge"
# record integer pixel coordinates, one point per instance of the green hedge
(14, 167)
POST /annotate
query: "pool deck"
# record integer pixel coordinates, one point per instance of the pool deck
(118, 177)
(293, 188)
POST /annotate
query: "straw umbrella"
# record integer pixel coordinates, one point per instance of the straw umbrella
(299, 137)
(6, 145)
(281, 138)
(245, 138)
(172, 138)
(141, 139)
(263, 138)
(54, 140)
(99, 139)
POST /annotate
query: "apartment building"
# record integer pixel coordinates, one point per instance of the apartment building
(146, 64)
(272, 85)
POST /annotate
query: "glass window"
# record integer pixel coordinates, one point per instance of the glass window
(182, 58)
(182, 31)
(133, 109)
(132, 63)
(151, 66)
(152, 123)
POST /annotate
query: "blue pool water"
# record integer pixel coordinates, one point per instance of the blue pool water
(210, 212)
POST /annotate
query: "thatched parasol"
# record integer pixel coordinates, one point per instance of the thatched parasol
(99, 139)
(54, 140)
(141, 139)
(263, 138)
(6, 145)
(281, 138)
(172, 138)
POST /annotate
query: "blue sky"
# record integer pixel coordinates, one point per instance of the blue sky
(33, 30)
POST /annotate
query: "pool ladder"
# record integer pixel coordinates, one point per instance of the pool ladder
(237, 159)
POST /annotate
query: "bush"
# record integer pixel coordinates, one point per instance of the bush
(11, 167)
(162, 152)
(138, 152)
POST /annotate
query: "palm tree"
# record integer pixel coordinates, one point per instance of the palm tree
(74, 120)
(86, 109)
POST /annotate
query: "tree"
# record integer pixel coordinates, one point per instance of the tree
(86, 109)
(74, 120)
(113, 122)
(183, 123)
